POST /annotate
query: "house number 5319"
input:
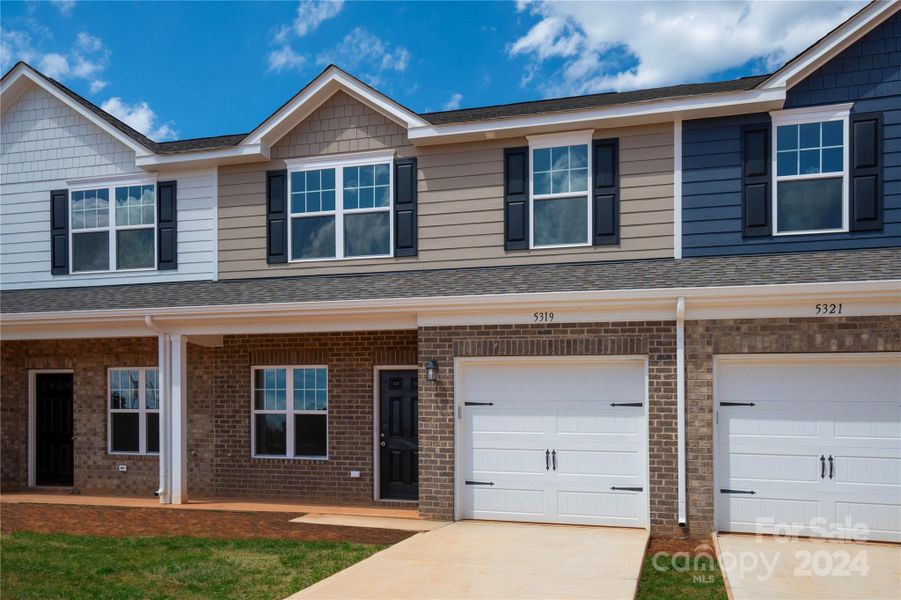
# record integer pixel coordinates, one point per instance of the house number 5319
(828, 309)
(543, 317)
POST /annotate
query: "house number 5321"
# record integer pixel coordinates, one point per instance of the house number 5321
(543, 317)
(828, 309)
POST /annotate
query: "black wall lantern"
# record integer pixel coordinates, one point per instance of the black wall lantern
(431, 370)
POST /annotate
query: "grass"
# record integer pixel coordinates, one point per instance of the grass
(690, 579)
(39, 565)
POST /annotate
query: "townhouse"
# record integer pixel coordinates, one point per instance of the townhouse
(676, 309)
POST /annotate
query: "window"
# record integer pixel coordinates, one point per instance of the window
(560, 180)
(290, 412)
(134, 411)
(118, 235)
(810, 161)
(341, 208)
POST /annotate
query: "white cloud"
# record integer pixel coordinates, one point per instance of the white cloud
(141, 117)
(284, 58)
(453, 102)
(312, 13)
(64, 6)
(86, 59)
(602, 46)
(367, 55)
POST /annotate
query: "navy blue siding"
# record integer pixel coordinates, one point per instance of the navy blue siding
(868, 74)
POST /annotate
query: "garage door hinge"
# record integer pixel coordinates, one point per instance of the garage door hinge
(478, 404)
(479, 482)
(728, 491)
(737, 404)
(627, 489)
(627, 404)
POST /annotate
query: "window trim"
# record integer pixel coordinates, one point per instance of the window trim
(554, 140)
(800, 116)
(111, 228)
(338, 162)
(289, 413)
(142, 411)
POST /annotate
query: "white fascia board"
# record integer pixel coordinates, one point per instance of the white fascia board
(384, 306)
(321, 90)
(835, 42)
(245, 153)
(692, 107)
(12, 88)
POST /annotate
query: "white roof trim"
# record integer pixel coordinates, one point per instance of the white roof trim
(12, 87)
(318, 91)
(832, 44)
(664, 109)
(241, 153)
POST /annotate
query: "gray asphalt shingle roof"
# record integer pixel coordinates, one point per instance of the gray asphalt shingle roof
(810, 267)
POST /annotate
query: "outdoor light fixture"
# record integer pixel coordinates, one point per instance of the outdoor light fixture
(431, 370)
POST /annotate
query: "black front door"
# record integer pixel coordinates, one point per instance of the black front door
(54, 457)
(398, 436)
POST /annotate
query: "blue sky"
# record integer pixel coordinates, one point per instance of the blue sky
(189, 69)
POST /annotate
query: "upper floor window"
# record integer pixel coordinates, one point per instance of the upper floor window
(341, 208)
(560, 180)
(811, 164)
(134, 411)
(113, 228)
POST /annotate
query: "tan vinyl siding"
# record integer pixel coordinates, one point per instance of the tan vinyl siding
(460, 198)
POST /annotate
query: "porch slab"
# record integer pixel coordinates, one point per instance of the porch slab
(369, 521)
(228, 504)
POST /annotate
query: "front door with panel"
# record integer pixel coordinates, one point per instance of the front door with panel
(54, 429)
(398, 436)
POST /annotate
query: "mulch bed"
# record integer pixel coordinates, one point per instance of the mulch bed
(221, 524)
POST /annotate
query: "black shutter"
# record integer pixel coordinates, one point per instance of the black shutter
(756, 184)
(59, 232)
(605, 196)
(866, 172)
(516, 198)
(405, 235)
(276, 217)
(167, 225)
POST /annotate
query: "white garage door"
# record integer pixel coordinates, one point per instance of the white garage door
(553, 441)
(809, 445)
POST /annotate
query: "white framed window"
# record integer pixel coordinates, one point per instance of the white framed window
(341, 207)
(810, 163)
(112, 227)
(134, 411)
(289, 407)
(559, 184)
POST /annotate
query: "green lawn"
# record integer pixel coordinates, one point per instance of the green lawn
(668, 583)
(38, 565)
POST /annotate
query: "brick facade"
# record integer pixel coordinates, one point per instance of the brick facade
(705, 339)
(654, 339)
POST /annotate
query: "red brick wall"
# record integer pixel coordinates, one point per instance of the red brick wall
(704, 339)
(654, 339)
(351, 358)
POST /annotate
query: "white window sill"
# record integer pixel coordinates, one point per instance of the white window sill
(553, 246)
(808, 232)
(338, 260)
(276, 457)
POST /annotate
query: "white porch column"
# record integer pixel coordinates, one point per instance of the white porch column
(179, 419)
(165, 369)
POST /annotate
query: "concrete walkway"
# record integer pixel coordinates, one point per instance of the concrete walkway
(771, 568)
(477, 559)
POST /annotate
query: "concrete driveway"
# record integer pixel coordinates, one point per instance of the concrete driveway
(770, 568)
(478, 559)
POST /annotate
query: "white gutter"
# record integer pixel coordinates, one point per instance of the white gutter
(165, 412)
(680, 407)
(437, 303)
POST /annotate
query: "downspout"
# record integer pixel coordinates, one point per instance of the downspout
(680, 406)
(165, 413)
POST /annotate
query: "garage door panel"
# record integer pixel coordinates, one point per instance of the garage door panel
(538, 407)
(830, 406)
